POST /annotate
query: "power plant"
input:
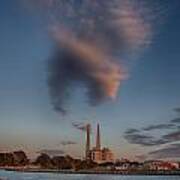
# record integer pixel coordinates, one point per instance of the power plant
(97, 154)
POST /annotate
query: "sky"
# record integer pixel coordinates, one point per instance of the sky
(149, 97)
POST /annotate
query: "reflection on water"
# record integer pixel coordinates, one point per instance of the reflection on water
(5, 175)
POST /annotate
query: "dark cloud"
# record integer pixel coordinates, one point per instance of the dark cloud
(140, 136)
(171, 151)
(177, 110)
(66, 143)
(131, 131)
(158, 126)
(89, 38)
(135, 136)
(173, 136)
(137, 139)
(176, 120)
(52, 152)
(144, 140)
(93, 39)
(79, 125)
(78, 64)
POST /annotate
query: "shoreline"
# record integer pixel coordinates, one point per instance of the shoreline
(122, 172)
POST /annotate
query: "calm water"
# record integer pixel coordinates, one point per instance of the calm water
(4, 175)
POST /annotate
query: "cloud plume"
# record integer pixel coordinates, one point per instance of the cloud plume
(92, 39)
(79, 62)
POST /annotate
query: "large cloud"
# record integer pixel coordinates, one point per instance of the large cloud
(81, 63)
(92, 40)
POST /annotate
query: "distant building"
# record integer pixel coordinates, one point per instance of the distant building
(97, 154)
(160, 165)
(128, 165)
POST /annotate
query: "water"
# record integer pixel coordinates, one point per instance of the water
(5, 175)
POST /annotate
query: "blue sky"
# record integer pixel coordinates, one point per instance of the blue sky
(27, 119)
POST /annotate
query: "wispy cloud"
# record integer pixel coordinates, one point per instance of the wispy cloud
(144, 140)
(176, 120)
(158, 127)
(66, 143)
(144, 136)
(171, 151)
(173, 136)
(52, 152)
(79, 125)
(131, 131)
(177, 109)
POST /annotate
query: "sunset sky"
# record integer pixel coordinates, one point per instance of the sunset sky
(144, 119)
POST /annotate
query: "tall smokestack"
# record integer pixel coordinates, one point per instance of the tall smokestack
(88, 129)
(98, 142)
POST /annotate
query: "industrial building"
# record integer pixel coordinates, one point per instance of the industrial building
(97, 154)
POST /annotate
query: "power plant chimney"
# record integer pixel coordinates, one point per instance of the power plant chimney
(98, 143)
(88, 129)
